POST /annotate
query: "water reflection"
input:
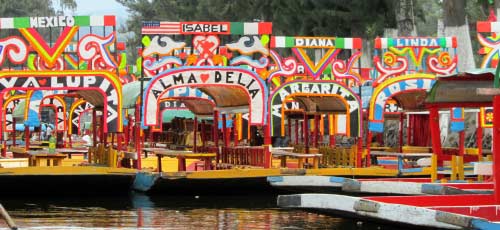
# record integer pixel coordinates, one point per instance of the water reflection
(139, 211)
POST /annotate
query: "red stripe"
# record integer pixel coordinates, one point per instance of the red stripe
(273, 42)
(378, 43)
(454, 42)
(109, 20)
(357, 43)
(483, 27)
(265, 28)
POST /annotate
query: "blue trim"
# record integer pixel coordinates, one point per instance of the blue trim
(144, 181)
(411, 170)
(484, 224)
(272, 179)
(336, 179)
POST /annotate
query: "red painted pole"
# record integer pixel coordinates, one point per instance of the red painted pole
(368, 149)
(401, 120)
(289, 128)
(224, 131)
(203, 137)
(94, 128)
(127, 131)
(195, 132)
(461, 143)
(14, 132)
(296, 131)
(316, 131)
(235, 129)
(306, 133)
(496, 148)
(137, 126)
(26, 137)
(360, 153)
(479, 138)
(409, 129)
(215, 134)
(267, 144)
(436, 134)
(331, 128)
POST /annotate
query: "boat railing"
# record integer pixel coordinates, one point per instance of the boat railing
(243, 156)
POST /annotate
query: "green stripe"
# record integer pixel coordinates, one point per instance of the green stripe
(442, 42)
(82, 21)
(289, 42)
(23, 22)
(339, 43)
(390, 42)
(237, 28)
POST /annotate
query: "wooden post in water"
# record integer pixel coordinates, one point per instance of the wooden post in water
(7, 218)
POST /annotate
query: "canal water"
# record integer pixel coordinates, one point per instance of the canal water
(139, 211)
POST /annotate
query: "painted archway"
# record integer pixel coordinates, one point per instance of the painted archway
(391, 87)
(103, 82)
(207, 79)
(59, 106)
(78, 108)
(9, 106)
(280, 97)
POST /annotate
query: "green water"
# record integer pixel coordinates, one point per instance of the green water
(138, 211)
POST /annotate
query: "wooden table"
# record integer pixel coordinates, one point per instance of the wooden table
(300, 156)
(35, 157)
(181, 157)
(69, 151)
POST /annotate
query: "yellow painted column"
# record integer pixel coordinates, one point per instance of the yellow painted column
(434, 168)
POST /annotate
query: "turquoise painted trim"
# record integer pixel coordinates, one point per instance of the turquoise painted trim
(273, 179)
(335, 179)
(484, 224)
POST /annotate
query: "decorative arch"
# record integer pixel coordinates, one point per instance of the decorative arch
(390, 88)
(79, 107)
(280, 97)
(9, 106)
(57, 103)
(206, 78)
(103, 82)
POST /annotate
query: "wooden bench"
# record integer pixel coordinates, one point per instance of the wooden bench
(52, 159)
(300, 156)
(19, 152)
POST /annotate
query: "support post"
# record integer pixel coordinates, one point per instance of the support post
(13, 132)
(368, 150)
(137, 134)
(316, 131)
(215, 135)
(479, 141)
(94, 128)
(436, 139)
(195, 133)
(296, 131)
(224, 131)
(306, 133)
(203, 137)
(461, 153)
(401, 120)
(26, 137)
(496, 148)
(409, 129)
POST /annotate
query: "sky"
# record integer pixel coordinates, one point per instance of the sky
(101, 7)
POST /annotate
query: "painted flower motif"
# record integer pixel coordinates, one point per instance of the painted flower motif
(489, 117)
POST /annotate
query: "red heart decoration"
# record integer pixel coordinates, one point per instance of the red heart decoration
(204, 77)
(42, 82)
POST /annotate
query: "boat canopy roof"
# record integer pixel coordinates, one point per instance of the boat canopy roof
(462, 89)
